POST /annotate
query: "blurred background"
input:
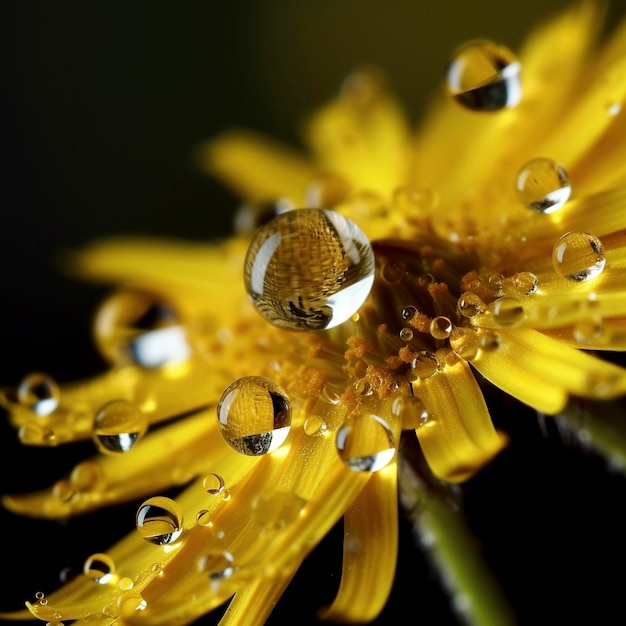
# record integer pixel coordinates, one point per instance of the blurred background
(103, 105)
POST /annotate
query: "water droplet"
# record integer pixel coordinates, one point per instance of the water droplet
(424, 365)
(507, 311)
(309, 269)
(465, 343)
(489, 341)
(217, 564)
(130, 603)
(254, 415)
(406, 334)
(213, 484)
(578, 257)
(365, 443)
(99, 567)
(484, 76)
(85, 476)
(125, 583)
(160, 520)
(469, 304)
(393, 273)
(314, 425)
(39, 392)
(118, 426)
(203, 517)
(409, 312)
(141, 328)
(525, 283)
(277, 509)
(543, 185)
(441, 327)
(62, 490)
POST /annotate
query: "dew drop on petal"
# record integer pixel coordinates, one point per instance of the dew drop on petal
(507, 311)
(39, 392)
(85, 476)
(406, 334)
(118, 426)
(408, 312)
(441, 327)
(314, 425)
(254, 415)
(489, 341)
(424, 365)
(99, 567)
(484, 76)
(365, 443)
(213, 484)
(469, 304)
(140, 328)
(543, 185)
(578, 256)
(309, 269)
(525, 283)
(204, 517)
(159, 520)
(217, 564)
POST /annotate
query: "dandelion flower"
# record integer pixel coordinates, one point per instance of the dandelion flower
(379, 290)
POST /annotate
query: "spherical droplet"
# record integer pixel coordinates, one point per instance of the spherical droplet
(409, 312)
(441, 327)
(578, 256)
(140, 328)
(217, 564)
(309, 269)
(424, 365)
(314, 425)
(525, 283)
(484, 76)
(507, 311)
(406, 334)
(469, 304)
(254, 415)
(213, 484)
(39, 392)
(543, 186)
(99, 567)
(160, 520)
(118, 426)
(365, 443)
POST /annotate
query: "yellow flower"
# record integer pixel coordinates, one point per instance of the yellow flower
(403, 280)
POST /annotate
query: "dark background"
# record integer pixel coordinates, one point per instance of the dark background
(102, 105)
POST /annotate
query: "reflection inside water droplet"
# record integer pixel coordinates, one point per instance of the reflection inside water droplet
(213, 484)
(309, 269)
(365, 444)
(217, 565)
(254, 415)
(578, 257)
(484, 76)
(543, 186)
(99, 567)
(118, 426)
(159, 520)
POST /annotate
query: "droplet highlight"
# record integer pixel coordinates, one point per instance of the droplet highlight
(484, 76)
(543, 185)
(39, 392)
(578, 257)
(309, 269)
(159, 520)
(365, 443)
(441, 327)
(254, 415)
(118, 426)
(99, 567)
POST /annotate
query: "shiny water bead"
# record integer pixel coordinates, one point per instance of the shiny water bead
(441, 327)
(465, 343)
(406, 334)
(489, 341)
(365, 443)
(408, 313)
(159, 520)
(424, 365)
(578, 256)
(543, 185)
(254, 415)
(140, 328)
(39, 392)
(314, 425)
(99, 567)
(469, 304)
(217, 564)
(507, 311)
(525, 283)
(309, 269)
(484, 76)
(118, 426)
(213, 484)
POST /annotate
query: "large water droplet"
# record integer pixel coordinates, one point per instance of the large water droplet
(543, 186)
(507, 311)
(484, 76)
(99, 567)
(525, 283)
(39, 392)
(578, 256)
(254, 415)
(118, 426)
(141, 328)
(365, 443)
(160, 520)
(309, 269)
(441, 327)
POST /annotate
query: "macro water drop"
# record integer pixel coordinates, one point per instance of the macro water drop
(365, 443)
(578, 257)
(39, 392)
(99, 567)
(543, 185)
(254, 415)
(159, 520)
(308, 269)
(118, 426)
